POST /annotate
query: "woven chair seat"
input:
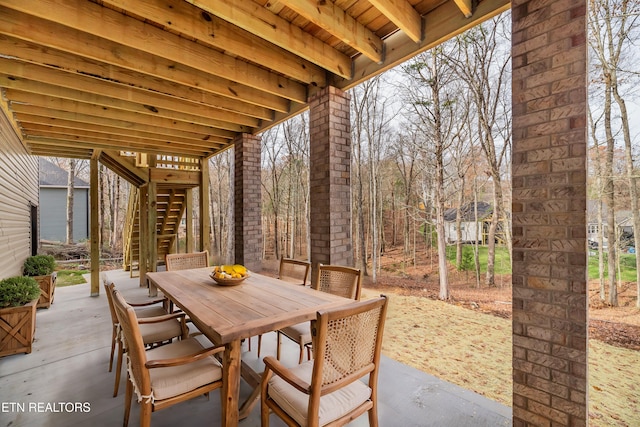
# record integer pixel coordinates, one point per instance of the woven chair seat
(332, 406)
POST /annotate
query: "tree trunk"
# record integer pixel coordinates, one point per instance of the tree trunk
(459, 224)
(610, 199)
(70, 195)
(633, 180)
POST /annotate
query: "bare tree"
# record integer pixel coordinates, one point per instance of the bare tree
(371, 121)
(296, 180)
(482, 60)
(614, 26)
(613, 29)
(431, 96)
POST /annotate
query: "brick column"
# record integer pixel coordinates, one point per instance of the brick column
(549, 213)
(248, 202)
(330, 180)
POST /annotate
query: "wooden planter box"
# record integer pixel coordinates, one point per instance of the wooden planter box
(17, 328)
(47, 289)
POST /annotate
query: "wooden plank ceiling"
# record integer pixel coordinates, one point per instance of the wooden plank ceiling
(184, 77)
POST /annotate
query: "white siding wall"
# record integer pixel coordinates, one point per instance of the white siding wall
(468, 232)
(18, 190)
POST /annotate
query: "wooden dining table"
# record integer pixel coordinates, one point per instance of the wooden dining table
(228, 314)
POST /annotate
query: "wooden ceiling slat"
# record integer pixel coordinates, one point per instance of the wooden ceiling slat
(466, 7)
(93, 114)
(27, 120)
(187, 19)
(401, 13)
(263, 23)
(56, 131)
(28, 86)
(339, 23)
(99, 21)
(18, 25)
(30, 52)
(71, 141)
(17, 70)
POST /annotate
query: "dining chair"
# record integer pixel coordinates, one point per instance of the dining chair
(166, 375)
(333, 279)
(157, 326)
(327, 390)
(175, 262)
(293, 271)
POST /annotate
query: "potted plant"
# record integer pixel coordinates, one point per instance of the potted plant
(18, 302)
(41, 268)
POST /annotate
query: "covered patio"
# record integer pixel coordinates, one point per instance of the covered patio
(70, 361)
(152, 89)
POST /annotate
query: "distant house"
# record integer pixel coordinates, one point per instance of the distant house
(623, 220)
(471, 229)
(53, 204)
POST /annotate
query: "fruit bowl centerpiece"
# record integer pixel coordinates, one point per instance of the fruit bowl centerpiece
(229, 275)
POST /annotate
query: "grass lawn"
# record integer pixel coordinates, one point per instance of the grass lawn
(627, 267)
(503, 262)
(70, 277)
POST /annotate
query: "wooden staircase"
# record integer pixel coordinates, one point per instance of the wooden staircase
(172, 179)
(170, 206)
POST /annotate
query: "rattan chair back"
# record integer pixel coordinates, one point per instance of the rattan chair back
(294, 271)
(338, 280)
(187, 261)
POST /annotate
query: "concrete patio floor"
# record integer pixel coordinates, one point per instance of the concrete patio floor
(69, 364)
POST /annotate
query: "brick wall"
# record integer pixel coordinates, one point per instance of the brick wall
(330, 180)
(248, 202)
(549, 213)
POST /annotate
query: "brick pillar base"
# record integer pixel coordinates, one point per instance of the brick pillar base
(549, 213)
(248, 202)
(330, 181)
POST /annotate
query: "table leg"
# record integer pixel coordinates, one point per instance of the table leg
(253, 379)
(231, 384)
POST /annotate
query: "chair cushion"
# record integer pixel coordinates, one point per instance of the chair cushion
(332, 406)
(175, 380)
(161, 331)
(300, 333)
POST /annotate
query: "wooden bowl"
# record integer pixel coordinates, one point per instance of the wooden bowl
(228, 282)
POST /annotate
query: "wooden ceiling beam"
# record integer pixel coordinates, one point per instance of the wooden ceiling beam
(39, 47)
(27, 120)
(100, 122)
(340, 24)
(401, 13)
(263, 23)
(47, 150)
(35, 54)
(190, 20)
(17, 72)
(52, 139)
(466, 7)
(127, 170)
(93, 114)
(118, 139)
(37, 88)
(108, 24)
